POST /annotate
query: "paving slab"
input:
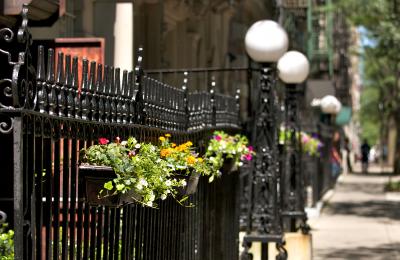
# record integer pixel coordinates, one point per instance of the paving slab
(358, 222)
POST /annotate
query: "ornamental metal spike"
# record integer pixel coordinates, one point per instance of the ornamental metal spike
(62, 95)
(118, 96)
(140, 107)
(84, 99)
(93, 96)
(40, 69)
(107, 97)
(41, 74)
(124, 97)
(92, 76)
(69, 90)
(50, 79)
(113, 101)
(131, 104)
(75, 87)
(99, 90)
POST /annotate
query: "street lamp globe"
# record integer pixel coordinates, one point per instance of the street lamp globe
(293, 67)
(330, 105)
(266, 41)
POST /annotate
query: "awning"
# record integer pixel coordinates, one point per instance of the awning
(344, 116)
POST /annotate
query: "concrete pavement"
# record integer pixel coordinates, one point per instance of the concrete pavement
(358, 222)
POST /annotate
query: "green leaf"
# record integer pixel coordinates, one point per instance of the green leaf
(120, 186)
(108, 185)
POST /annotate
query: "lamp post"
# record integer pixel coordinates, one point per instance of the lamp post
(266, 41)
(330, 106)
(293, 69)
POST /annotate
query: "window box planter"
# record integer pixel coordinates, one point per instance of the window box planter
(228, 166)
(92, 178)
(192, 181)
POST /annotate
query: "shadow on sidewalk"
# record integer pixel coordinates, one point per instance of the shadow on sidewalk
(368, 209)
(380, 252)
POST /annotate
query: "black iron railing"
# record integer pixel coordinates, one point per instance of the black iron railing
(47, 117)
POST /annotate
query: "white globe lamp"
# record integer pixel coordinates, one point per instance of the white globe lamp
(266, 41)
(330, 105)
(293, 67)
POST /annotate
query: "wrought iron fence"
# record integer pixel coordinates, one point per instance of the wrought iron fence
(47, 117)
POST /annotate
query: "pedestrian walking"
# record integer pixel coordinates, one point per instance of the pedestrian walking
(365, 149)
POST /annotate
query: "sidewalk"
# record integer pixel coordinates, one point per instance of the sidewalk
(358, 222)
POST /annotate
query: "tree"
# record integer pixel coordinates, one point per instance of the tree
(381, 75)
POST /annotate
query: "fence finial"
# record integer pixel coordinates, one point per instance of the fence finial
(50, 66)
(40, 71)
(92, 76)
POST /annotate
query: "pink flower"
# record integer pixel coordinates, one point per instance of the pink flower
(131, 153)
(103, 140)
(117, 139)
(218, 138)
(248, 157)
(251, 148)
(305, 139)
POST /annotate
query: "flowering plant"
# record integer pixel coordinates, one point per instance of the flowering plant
(6, 242)
(182, 158)
(223, 146)
(138, 167)
(309, 144)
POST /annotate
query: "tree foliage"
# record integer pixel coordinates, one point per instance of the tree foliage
(381, 64)
(381, 61)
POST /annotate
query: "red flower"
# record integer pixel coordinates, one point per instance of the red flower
(117, 139)
(103, 140)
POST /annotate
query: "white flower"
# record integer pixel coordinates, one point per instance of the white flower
(240, 164)
(183, 182)
(152, 196)
(152, 148)
(168, 183)
(137, 146)
(240, 149)
(124, 143)
(143, 182)
(150, 204)
(163, 196)
(139, 186)
(168, 191)
(158, 160)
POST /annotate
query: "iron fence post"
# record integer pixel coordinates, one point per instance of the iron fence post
(293, 188)
(265, 223)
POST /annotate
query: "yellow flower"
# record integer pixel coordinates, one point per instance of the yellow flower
(165, 152)
(167, 135)
(189, 143)
(190, 159)
(162, 138)
(200, 160)
(173, 145)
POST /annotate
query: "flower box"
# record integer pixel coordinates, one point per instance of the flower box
(228, 166)
(192, 181)
(93, 178)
